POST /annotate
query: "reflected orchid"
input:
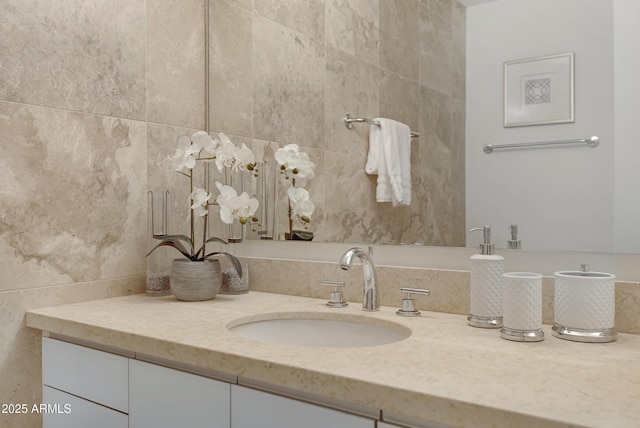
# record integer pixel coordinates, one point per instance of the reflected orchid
(294, 164)
(296, 168)
(303, 207)
(234, 207)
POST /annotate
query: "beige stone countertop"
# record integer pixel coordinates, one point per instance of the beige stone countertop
(445, 371)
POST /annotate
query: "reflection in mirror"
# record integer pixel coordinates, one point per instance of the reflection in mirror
(566, 197)
(288, 75)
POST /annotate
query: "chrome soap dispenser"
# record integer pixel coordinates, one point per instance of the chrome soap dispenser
(485, 306)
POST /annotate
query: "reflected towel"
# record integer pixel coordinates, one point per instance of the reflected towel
(390, 158)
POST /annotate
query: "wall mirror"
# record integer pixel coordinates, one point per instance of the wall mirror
(280, 76)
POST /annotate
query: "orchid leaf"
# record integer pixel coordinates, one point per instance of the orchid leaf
(216, 239)
(212, 239)
(236, 263)
(180, 237)
(172, 243)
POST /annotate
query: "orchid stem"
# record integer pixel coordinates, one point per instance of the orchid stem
(290, 220)
(206, 217)
(193, 233)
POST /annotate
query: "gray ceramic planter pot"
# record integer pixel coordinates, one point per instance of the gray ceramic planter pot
(194, 281)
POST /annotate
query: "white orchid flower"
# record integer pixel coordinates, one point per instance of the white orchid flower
(225, 155)
(302, 206)
(297, 165)
(207, 145)
(303, 167)
(234, 207)
(184, 157)
(244, 157)
(246, 207)
(236, 158)
(199, 199)
(285, 155)
(226, 192)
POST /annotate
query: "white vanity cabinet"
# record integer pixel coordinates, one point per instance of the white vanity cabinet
(83, 385)
(163, 397)
(87, 387)
(252, 409)
(68, 411)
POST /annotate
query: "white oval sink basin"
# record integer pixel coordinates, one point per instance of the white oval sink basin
(319, 329)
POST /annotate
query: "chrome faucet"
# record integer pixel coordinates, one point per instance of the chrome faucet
(370, 301)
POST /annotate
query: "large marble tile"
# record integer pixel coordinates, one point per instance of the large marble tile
(399, 23)
(436, 53)
(230, 69)
(399, 99)
(435, 150)
(175, 62)
(304, 16)
(437, 165)
(20, 361)
(353, 27)
(352, 87)
(245, 4)
(289, 78)
(76, 55)
(72, 196)
(459, 49)
(352, 213)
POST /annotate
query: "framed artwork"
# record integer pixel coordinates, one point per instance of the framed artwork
(539, 91)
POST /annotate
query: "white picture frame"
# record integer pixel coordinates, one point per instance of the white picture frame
(539, 91)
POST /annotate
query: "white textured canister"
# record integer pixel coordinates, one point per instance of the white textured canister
(584, 306)
(485, 306)
(522, 306)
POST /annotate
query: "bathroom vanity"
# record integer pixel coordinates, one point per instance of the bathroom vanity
(147, 361)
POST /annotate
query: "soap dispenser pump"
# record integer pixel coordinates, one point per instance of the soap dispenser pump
(514, 243)
(485, 306)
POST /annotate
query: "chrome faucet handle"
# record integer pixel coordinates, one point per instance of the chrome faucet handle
(408, 304)
(337, 300)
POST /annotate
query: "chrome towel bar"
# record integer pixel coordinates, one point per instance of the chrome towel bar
(591, 142)
(349, 121)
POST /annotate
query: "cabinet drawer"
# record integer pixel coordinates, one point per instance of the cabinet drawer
(162, 397)
(95, 375)
(251, 409)
(68, 411)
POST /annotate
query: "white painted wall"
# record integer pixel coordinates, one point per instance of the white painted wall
(627, 125)
(561, 198)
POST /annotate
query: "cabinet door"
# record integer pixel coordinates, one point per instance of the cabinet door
(257, 409)
(162, 397)
(68, 411)
(95, 375)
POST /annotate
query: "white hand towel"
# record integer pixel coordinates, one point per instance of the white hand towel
(390, 157)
